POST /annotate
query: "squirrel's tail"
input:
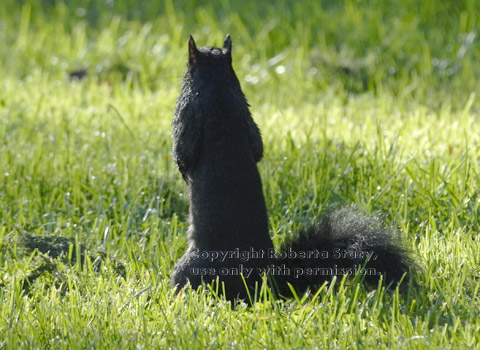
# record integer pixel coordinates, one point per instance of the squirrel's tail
(345, 242)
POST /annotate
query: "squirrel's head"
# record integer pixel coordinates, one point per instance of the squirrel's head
(210, 61)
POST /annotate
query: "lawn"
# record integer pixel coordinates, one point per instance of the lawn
(368, 103)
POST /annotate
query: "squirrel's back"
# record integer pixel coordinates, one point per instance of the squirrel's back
(216, 147)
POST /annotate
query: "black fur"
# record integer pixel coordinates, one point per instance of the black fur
(216, 147)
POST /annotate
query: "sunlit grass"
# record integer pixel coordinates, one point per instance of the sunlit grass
(372, 103)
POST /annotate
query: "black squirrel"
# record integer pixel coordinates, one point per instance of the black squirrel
(216, 147)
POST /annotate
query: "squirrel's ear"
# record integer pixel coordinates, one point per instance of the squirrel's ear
(227, 46)
(192, 51)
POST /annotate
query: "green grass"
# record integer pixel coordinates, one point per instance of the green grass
(371, 103)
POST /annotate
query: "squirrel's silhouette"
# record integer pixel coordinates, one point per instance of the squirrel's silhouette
(216, 147)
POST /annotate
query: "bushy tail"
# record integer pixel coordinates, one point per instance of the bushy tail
(345, 242)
